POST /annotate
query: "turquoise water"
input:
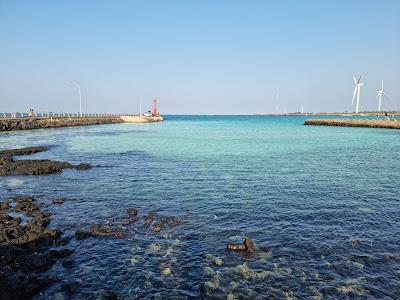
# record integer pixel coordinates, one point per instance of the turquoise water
(322, 205)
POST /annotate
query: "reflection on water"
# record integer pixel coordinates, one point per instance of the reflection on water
(320, 203)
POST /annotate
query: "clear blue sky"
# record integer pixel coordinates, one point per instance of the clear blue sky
(198, 57)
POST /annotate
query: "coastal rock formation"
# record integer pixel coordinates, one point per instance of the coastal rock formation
(158, 222)
(38, 123)
(25, 249)
(11, 167)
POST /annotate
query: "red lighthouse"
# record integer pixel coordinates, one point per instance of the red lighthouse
(155, 112)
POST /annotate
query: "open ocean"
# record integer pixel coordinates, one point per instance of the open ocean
(322, 205)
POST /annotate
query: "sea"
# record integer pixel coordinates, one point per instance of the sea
(321, 204)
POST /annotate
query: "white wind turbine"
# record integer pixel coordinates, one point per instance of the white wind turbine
(379, 94)
(357, 89)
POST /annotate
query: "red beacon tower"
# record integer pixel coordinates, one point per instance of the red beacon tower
(155, 112)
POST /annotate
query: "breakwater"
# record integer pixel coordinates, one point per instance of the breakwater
(10, 124)
(355, 123)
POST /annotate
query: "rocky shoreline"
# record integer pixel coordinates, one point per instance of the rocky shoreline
(29, 247)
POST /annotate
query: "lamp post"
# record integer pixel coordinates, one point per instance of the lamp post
(80, 96)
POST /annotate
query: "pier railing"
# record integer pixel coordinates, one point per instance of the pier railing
(21, 115)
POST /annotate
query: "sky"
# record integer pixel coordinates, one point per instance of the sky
(198, 57)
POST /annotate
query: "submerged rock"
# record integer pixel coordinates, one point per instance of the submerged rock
(132, 212)
(80, 234)
(58, 201)
(4, 205)
(159, 222)
(67, 263)
(167, 272)
(100, 231)
(25, 250)
(71, 287)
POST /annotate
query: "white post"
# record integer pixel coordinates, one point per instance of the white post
(80, 96)
(140, 111)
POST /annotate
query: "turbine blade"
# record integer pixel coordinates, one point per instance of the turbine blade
(355, 80)
(359, 79)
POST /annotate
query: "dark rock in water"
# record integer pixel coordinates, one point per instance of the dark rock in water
(16, 285)
(58, 201)
(132, 212)
(106, 295)
(4, 205)
(36, 262)
(247, 246)
(160, 221)
(80, 234)
(33, 167)
(83, 166)
(67, 263)
(149, 219)
(71, 287)
(24, 250)
(102, 231)
(106, 231)
(62, 253)
(250, 246)
(128, 221)
(10, 167)
(62, 241)
(24, 151)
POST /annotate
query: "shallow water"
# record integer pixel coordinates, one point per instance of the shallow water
(321, 203)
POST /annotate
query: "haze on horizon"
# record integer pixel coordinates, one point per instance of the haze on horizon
(198, 57)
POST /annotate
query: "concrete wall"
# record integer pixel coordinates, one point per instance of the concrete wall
(141, 119)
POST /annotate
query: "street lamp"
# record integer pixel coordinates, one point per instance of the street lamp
(80, 96)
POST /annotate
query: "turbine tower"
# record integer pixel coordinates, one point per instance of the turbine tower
(356, 95)
(379, 94)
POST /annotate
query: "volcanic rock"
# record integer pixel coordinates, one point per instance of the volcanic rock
(71, 287)
(132, 212)
(10, 167)
(247, 246)
(58, 201)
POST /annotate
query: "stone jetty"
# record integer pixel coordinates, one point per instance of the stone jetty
(10, 124)
(355, 123)
(53, 122)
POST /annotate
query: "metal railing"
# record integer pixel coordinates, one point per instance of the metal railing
(20, 115)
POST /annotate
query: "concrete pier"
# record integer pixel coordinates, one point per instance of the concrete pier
(355, 123)
(142, 119)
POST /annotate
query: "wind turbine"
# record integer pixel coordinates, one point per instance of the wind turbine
(357, 89)
(379, 94)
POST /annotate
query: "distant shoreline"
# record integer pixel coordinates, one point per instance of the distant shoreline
(344, 114)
